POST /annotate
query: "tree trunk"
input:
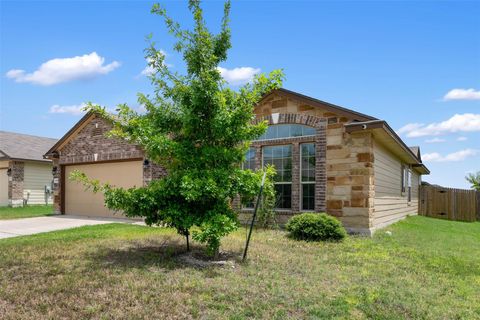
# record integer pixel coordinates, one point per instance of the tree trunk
(187, 234)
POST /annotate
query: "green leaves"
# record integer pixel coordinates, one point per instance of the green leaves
(198, 129)
(474, 180)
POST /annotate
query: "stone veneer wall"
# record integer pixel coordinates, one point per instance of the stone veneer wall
(15, 183)
(90, 145)
(350, 177)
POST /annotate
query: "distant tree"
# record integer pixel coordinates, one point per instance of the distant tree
(474, 180)
(198, 129)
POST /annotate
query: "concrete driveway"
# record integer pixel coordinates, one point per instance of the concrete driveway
(27, 226)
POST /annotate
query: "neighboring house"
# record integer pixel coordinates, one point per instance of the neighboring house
(328, 159)
(25, 176)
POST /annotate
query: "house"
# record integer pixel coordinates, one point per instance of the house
(328, 159)
(25, 176)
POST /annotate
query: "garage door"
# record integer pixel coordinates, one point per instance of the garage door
(79, 201)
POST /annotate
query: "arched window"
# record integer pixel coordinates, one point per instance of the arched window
(279, 131)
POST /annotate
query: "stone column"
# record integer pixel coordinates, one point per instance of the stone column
(15, 183)
(57, 186)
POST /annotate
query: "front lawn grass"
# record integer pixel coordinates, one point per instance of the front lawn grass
(25, 212)
(427, 269)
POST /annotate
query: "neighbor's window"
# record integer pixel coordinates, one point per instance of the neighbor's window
(308, 176)
(279, 131)
(281, 158)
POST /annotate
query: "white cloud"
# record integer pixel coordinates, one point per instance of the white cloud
(455, 156)
(435, 140)
(462, 94)
(461, 138)
(410, 127)
(467, 122)
(73, 109)
(237, 76)
(65, 69)
(148, 70)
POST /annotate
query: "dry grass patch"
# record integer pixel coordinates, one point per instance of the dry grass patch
(427, 269)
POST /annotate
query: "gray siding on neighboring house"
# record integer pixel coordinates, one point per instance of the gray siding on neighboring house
(391, 204)
(3, 183)
(36, 176)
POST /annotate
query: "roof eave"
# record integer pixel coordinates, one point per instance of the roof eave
(357, 116)
(383, 125)
(50, 153)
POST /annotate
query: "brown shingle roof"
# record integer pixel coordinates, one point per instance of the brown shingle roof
(23, 146)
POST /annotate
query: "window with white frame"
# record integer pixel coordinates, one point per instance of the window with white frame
(307, 177)
(409, 184)
(281, 158)
(404, 178)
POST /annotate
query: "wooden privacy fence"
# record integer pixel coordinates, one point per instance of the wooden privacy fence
(449, 203)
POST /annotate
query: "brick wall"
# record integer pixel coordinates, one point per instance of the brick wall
(319, 123)
(89, 145)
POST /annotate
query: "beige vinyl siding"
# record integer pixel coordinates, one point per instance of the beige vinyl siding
(36, 176)
(3, 187)
(390, 203)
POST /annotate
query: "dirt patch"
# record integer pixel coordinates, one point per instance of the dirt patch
(199, 259)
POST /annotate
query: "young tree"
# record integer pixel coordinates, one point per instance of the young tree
(474, 180)
(198, 129)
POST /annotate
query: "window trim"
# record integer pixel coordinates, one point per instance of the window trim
(402, 179)
(409, 185)
(301, 183)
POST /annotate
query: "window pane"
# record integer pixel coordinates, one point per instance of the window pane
(249, 159)
(284, 196)
(308, 162)
(281, 158)
(279, 131)
(308, 196)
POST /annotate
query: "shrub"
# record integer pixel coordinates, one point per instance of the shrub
(315, 227)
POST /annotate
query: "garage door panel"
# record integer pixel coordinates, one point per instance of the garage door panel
(79, 201)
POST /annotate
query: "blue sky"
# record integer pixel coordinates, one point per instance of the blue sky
(394, 60)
